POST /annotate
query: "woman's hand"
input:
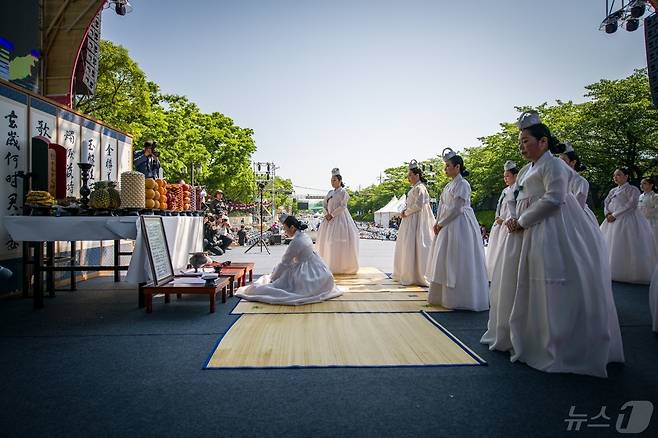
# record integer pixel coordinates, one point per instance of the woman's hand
(513, 226)
(328, 216)
(610, 218)
(437, 228)
(499, 220)
(403, 214)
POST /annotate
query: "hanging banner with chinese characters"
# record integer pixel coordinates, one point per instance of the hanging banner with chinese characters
(109, 150)
(91, 139)
(68, 135)
(125, 153)
(43, 120)
(13, 144)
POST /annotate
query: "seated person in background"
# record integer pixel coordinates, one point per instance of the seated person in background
(242, 236)
(211, 242)
(225, 233)
(484, 233)
(302, 277)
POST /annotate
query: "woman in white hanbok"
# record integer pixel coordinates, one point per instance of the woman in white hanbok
(628, 233)
(338, 238)
(498, 229)
(502, 289)
(564, 317)
(578, 185)
(414, 239)
(302, 277)
(456, 269)
(648, 205)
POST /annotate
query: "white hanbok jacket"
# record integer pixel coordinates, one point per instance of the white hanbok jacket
(648, 206)
(412, 246)
(564, 317)
(579, 187)
(338, 239)
(302, 277)
(630, 238)
(456, 267)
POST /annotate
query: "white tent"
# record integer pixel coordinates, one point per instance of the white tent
(389, 211)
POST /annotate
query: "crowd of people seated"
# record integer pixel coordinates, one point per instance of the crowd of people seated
(218, 234)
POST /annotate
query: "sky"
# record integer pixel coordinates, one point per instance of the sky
(364, 85)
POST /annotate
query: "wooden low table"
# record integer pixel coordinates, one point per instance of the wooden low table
(231, 285)
(221, 284)
(248, 269)
(238, 272)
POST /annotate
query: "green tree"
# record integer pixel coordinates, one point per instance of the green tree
(123, 94)
(218, 150)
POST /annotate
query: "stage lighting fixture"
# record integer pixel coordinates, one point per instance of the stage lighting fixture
(121, 7)
(632, 24)
(638, 8)
(611, 26)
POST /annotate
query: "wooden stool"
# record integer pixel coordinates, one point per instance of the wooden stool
(221, 285)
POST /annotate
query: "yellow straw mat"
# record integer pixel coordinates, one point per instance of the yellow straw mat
(325, 340)
(338, 306)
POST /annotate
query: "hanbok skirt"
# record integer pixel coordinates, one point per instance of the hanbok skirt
(653, 300)
(302, 283)
(564, 317)
(496, 239)
(456, 268)
(338, 244)
(502, 292)
(412, 247)
(632, 248)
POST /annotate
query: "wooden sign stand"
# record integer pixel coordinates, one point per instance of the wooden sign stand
(163, 272)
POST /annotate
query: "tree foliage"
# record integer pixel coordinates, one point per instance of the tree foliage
(616, 126)
(216, 148)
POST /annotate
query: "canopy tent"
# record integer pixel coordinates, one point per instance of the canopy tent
(389, 211)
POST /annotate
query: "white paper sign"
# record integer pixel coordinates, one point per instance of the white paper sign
(91, 139)
(43, 124)
(13, 144)
(68, 135)
(109, 147)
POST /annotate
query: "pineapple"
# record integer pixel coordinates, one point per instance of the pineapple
(115, 196)
(100, 197)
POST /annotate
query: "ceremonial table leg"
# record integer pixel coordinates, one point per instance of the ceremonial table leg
(50, 262)
(73, 251)
(212, 301)
(26, 270)
(140, 295)
(37, 295)
(117, 261)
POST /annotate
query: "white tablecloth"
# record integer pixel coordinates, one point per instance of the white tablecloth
(184, 235)
(67, 228)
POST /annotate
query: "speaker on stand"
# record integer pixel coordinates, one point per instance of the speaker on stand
(651, 43)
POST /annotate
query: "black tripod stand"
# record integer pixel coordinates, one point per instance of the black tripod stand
(261, 188)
